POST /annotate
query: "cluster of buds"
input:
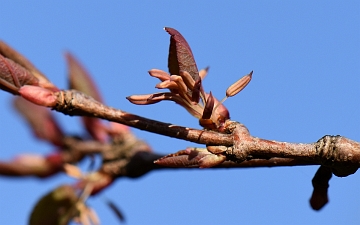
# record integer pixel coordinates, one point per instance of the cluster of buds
(185, 85)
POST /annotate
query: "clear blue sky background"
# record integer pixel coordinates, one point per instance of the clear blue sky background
(306, 84)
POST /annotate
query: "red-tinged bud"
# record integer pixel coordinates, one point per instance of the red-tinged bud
(239, 85)
(209, 106)
(195, 97)
(38, 95)
(13, 76)
(40, 120)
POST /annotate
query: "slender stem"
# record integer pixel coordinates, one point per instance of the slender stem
(72, 102)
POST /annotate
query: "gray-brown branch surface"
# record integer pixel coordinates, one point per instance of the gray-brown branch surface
(342, 155)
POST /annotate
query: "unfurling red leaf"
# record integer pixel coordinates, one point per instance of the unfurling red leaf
(41, 121)
(13, 76)
(181, 57)
(80, 79)
(10, 53)
(56, 207)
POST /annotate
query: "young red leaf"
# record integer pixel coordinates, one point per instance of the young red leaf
(13, 76)
(80, 80)
(181, 57)
(41, 121)
(96, 128)
(10, 53)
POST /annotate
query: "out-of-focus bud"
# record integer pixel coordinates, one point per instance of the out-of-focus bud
(38, 95)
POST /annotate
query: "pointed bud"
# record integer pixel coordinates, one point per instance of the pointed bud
(239, 85)
(195, 97)
(142, 99)
(209, 106)
(204, 72)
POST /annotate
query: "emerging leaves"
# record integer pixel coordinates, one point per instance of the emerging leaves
(185, 85)
(80, 80)
(13, 76)
(40, 119)
(16, 71)
(181, 57)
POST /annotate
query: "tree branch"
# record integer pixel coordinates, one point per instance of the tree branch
(339, 153)
(75, 103)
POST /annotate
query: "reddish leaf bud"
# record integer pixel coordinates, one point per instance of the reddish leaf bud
(38, 95)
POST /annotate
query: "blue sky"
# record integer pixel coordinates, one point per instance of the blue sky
(306, 84)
